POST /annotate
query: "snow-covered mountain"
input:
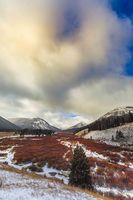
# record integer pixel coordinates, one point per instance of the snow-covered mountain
(114, 118)
(108, 134)
(6, 125)
(32, 123)
(120, 111)
(75, 127)
(109, 126)
(79, 125)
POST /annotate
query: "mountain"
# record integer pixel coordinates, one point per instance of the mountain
(109, 134)
(114, 118)
(79, 125)
(75, 127)
(114, 125)
(6, 125)
(32, 123)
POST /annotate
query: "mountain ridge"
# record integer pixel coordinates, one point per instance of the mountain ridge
(116, 117)
(114, 127)
(6, 125)
(33, 123)
(75, 127)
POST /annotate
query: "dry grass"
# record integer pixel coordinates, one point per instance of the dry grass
(94, 194)
(5, 134)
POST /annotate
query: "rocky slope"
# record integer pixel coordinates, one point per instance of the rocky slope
(33, 124)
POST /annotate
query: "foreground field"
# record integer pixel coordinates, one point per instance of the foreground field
(111, 167)
(17, 186)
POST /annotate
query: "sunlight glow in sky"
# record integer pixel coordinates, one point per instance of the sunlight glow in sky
(63, 58)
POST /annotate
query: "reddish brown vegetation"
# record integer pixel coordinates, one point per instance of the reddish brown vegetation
(50, 150)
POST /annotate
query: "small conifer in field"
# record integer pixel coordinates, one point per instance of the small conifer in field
(80, 171)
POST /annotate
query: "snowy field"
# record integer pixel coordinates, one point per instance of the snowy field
(106, 135)
(101, 154)
(19, 187)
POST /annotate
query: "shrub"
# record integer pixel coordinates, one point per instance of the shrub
(35, 168)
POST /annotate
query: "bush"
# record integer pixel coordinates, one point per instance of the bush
(35, 168)
(80, 172)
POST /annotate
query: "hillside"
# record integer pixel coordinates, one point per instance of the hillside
(109, 126)
(33, 124)
(16, 186)
(114, 118)
(6, 125)
(108, 134)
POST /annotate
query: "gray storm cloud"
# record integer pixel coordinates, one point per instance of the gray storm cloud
(61, 52)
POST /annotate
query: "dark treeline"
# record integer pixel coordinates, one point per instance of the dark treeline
(108, 122)
(38, 132)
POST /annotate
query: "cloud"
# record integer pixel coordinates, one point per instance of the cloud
(97, 98)
(62, 54)
(62, 121)
(29, 109)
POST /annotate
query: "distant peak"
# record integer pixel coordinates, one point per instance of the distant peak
(79, 125)
(33, 123)
(119, 111)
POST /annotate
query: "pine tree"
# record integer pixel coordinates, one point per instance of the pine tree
(113, 138)
(80, 172)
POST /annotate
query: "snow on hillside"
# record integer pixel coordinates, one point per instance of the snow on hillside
(32, 123)
(16, 186)
(107, 134)
(119, 112)
(79, 125)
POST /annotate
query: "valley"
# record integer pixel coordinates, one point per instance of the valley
(66, 100)
(50, 156)
(35, 146)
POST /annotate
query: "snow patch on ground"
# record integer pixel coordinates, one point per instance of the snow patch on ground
(95, 155)
(125, 193)
(131, 166)
(47, 171)
(9, 159)
(16, 186)
(88, 153)
(54, 173)
(9, 155)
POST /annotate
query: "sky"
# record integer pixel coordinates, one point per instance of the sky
(65, 61)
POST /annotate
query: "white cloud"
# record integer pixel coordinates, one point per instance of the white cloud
(97, 98)
(32, 109)
(42, 68)
(62, 121)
